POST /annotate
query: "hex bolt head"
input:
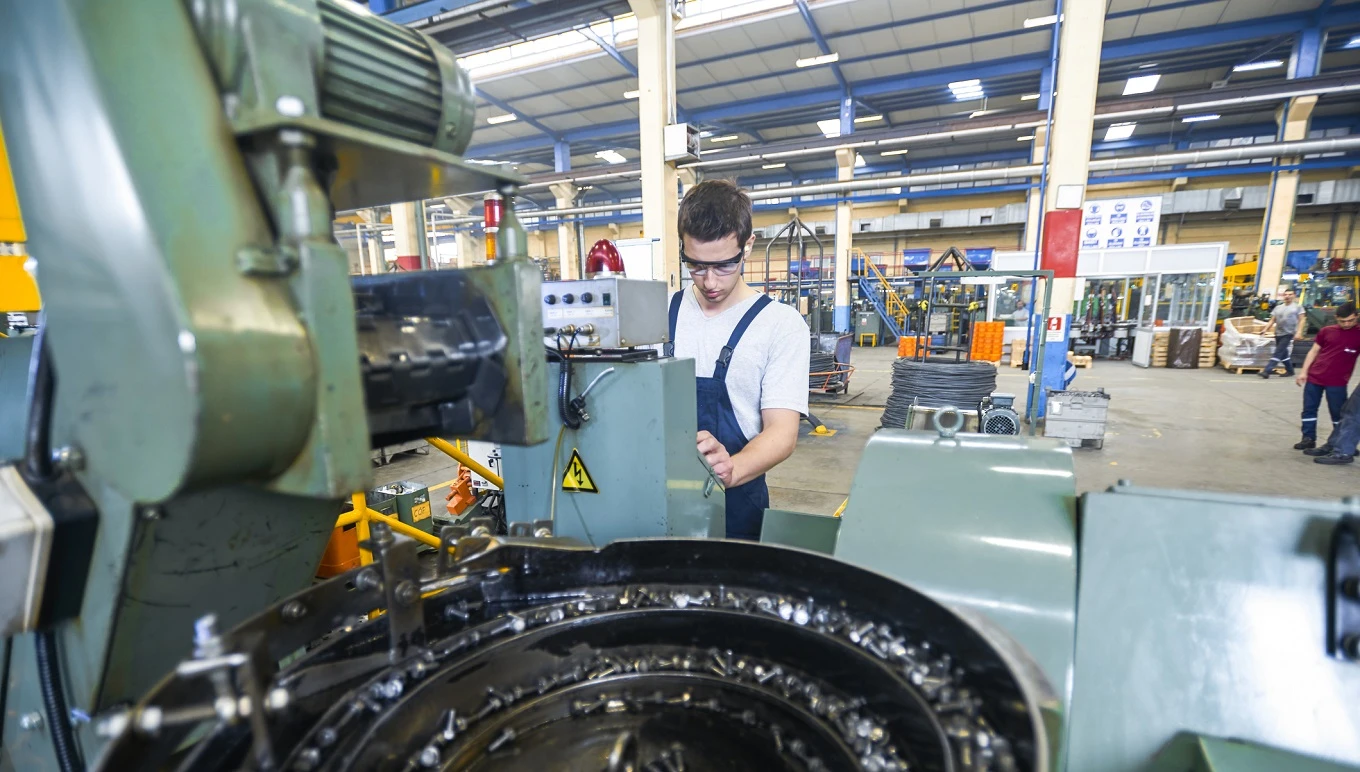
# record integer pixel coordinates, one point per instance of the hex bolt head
(407, 593)
(294, 610)
(31, 722)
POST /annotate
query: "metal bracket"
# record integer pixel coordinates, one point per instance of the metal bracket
(1343, 590)
(401, 586)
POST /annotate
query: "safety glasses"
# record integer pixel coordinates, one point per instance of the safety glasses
(721, 267)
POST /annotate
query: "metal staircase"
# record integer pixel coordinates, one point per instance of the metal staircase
(881, 293)
(868, 290)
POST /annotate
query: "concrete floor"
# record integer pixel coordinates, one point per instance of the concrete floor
(1192, 429)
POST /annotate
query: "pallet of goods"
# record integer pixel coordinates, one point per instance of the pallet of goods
(1079, 361)
(1242, 348)
(1208, 349)
(1160, 338)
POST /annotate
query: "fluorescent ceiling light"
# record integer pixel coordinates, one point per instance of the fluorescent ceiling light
(1198, 118)
(1025, 138)
(1118, 131)
(1041, 21)
(1354, 42)
(1029, 97)
(725, 138)
(967, 89)
(831, 127)
(611, 156)
(508, 117)
(587, 187)
(965, 84)
(1268, 64)
(816, 60)
(1142, 84)
(868, 118)
(705, 134)
(859, 161)
(634, 94)
(903, 151)
(1147, 66)
(774, 166)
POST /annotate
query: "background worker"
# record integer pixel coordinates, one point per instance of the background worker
(1341, 448)
(1326, 372)
(750, 354)
(1284, 319)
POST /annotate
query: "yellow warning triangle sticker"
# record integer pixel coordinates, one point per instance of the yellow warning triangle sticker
(577, 478)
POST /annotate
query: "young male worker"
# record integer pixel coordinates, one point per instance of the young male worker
(1285, 321)
(1326, 372)
(750, 354)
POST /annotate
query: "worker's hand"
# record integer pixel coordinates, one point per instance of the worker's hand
(1300, 379)
(716, 456)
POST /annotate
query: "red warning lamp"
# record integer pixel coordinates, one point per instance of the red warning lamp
(604, 259)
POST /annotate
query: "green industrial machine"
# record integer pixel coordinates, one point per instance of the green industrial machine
(205, 386)
(1181, 630)
(208, 382)
(405, 500)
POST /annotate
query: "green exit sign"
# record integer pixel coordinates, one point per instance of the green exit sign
(1277, 242)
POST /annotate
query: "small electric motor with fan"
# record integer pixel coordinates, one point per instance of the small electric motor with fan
(996, 415)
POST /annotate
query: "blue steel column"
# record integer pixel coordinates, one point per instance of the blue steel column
(561, 156)
(845, 170)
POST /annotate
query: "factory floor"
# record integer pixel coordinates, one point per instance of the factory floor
(1192, 429)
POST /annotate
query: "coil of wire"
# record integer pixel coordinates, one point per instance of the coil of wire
(822, 362)
(936, 384)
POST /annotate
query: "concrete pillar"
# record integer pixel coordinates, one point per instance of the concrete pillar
(1069, 155)
(408, 228)
(656, 109)
(840, 305)
(370, 246)
(568, 262)
(1292, 120)
(469, 252)
(688, 179)
(1032, 199)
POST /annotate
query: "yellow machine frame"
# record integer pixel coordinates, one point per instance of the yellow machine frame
(18, 291)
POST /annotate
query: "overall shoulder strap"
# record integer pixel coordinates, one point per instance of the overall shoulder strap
(676, 299)
(725, 356)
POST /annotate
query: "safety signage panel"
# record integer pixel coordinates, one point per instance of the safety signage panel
(1117, 223)
(1055, 329)
(577, 478)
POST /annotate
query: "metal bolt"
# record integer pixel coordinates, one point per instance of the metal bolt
(30, 722)
(69, 458)
(152, 513)
(429, 757)
(406, 593)
(505, 737)
(327, 737)
(543, 533)
(308, 759)
(294, 610)
(367, 580)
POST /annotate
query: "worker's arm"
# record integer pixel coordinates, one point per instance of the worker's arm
(1302, 377)
(776, 442)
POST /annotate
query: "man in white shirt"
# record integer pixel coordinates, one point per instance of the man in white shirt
(1285, 320)
(750, 354)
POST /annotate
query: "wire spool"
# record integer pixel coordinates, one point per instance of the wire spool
(822, 362)
(936, 384)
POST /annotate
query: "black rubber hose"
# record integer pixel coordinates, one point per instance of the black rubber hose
(564, 410)
(38, 433)
(54, 703)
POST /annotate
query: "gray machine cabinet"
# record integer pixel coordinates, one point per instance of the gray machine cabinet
(638, 448)
(1205, 613)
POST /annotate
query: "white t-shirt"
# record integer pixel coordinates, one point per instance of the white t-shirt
(769, 367)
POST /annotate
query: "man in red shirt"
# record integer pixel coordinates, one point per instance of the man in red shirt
(1326, 372)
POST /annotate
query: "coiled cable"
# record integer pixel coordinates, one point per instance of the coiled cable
(936, 384)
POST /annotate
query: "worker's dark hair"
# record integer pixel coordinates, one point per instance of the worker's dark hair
(1345, 309)
(714, 209)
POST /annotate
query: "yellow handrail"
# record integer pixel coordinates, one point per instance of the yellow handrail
(363, 515)
(457, 455)
(897, 309)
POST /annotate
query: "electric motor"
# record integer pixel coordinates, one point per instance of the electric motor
(997, 416)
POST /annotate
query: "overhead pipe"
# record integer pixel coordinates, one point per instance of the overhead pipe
(1237, 153)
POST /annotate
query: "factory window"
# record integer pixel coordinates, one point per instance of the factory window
(1305, 198)
(864, 227)
(820, 230)
(936, 222)
(985, 219)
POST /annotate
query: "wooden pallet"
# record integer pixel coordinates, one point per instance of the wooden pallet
(1251, 369)
(1079, 361)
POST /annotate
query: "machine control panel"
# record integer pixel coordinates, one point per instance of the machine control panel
(607, 312)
